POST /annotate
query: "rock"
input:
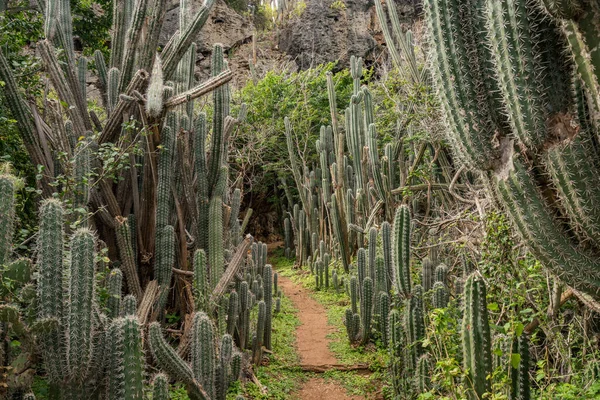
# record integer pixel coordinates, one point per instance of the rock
(224, 26)
(330, 30)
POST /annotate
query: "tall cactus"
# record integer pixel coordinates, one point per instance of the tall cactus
(401, 251)
(203, 352)
(50, 285)
(476, 339)
(7, 215)
(366, 309)
(440, 295)
(81, 294)
(427, 274)
(200, 280)
(520, 374)
(268, 295)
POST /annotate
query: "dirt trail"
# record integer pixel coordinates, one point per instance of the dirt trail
(312, 342)
(311, 334)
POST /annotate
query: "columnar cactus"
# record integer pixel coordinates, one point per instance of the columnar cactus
(427, 274)
(165, 260)
(423, 378)
(520, 374)
(383, 305)
(441, 274)
(440, 295)
(129, 306)
(476, 337)
(7, 215)
(401, 251)
(260, 333)
(203, 352)
(386, 239)
(200, 280)
(415, 326)
(50, 288)
(133, 359)
(268, 296)
(160, 387)
(79, 306)
(366, 309)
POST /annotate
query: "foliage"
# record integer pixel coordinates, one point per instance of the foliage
(302, 97)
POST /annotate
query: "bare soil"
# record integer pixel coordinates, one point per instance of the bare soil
(312, 343)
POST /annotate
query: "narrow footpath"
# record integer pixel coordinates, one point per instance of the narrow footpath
(312, 344)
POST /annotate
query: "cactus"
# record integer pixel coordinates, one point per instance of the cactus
(366, 309)
(386, 239)
(354, 294)
(520, 374)
(268, 296)
(487, 58)
(372, 251)
(123, 234)
(154, 96)
(415, 326)
(244, 317)
(50, 286)
(361, 265)
(133, 359)
(441, 274)
(200, 280)
(260, 332)
(81, 293)
(232, 313)
(383, 304)
(339, 228)
(129, 305)
(160, 387)
(165, 260)
(381, 278)
(216, 260)
(7, 216)
(423, 378)
(115, 384)
(440, 295)
(427, 274)
(203, 352)
(335, 281)
(349, 322)
(401, 251)
(476, 336)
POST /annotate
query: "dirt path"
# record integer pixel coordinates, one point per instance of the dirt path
(311, 334)
(312, 342)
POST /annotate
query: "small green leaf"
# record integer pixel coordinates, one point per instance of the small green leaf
(515, 360)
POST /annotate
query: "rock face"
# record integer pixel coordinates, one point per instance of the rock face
(224, 26)
(330, 30)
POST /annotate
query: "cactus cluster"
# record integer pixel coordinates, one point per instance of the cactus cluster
(488, 59)
(163, 210)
